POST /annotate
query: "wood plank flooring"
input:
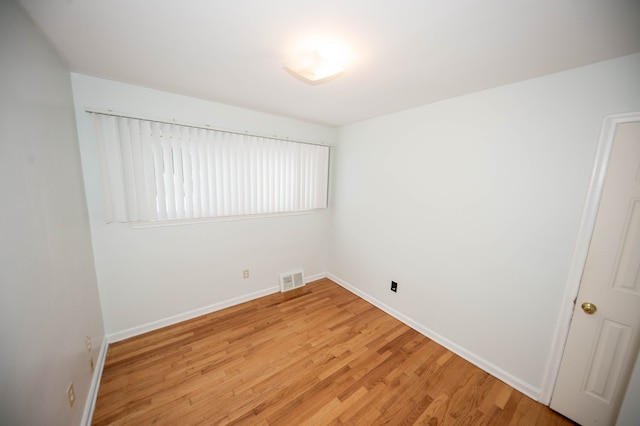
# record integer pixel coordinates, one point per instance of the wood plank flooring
(318, 355)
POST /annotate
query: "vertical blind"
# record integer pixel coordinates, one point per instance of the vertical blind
(156, 171)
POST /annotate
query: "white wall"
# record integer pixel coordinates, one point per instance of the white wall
(147, 276)
(472, 205)
(48, 292)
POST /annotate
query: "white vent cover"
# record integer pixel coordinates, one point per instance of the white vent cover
(291, 280)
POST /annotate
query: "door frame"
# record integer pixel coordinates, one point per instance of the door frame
(581, 249)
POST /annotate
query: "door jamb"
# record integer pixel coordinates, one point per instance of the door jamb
(581, 249)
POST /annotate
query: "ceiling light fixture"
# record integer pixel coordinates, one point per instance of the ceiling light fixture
(313, 68)
(318, 58)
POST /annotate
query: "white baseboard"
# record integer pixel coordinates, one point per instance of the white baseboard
(174, 319)
(315, 277)
(154, 325)
(521, 386)
(92, 396)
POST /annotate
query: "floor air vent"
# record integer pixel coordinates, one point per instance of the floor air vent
(291, 280)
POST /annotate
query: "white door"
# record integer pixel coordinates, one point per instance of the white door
(604, 335)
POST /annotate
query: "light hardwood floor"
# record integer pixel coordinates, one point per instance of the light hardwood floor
(317, 355)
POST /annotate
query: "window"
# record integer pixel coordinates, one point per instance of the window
(157, 171)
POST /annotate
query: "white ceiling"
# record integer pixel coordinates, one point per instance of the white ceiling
(405, 52)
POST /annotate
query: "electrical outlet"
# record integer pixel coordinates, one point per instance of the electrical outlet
(71, 395)
(91, 365)
(87, 343)
(394, 286)
(245, 273)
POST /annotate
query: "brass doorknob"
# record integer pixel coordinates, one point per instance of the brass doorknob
(589, 308)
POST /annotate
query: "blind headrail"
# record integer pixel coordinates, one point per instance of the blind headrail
(199, 126)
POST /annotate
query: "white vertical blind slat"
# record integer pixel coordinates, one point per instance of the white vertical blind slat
(104, 168)
(167, 160)
(178, 173)
(128, 168)
(202, 191)
(252, 165)
(271, 183)
(138, 169)
(187, 172)
(218, 154)
(229, 187)
(108, 172)
(241, 175)
(211, 175)
(148, 185)
(158, 171)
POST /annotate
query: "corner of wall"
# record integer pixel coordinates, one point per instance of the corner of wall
(516, 383)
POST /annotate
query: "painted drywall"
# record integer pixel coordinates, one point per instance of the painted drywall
(472, 205)
(149, 276)
(48, 290)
